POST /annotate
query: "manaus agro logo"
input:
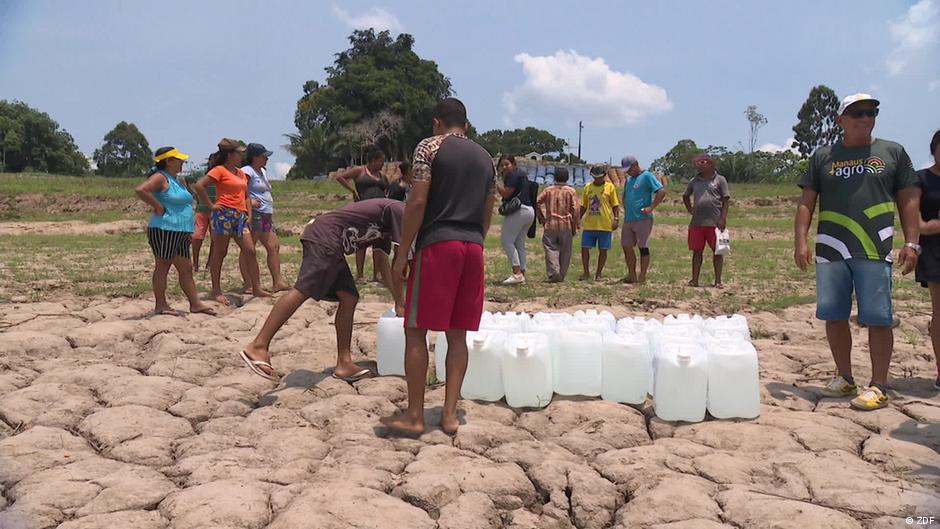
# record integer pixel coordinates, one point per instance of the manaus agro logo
(849, 168)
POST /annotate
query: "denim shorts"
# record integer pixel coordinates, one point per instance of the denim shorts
(870, 280)
(596, 239)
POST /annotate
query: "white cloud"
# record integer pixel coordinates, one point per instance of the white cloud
(915, 32)
(773, 147)
(375, 18)
(581, 87)
(280, 170)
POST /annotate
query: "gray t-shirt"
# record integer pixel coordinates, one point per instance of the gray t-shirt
(706, 196)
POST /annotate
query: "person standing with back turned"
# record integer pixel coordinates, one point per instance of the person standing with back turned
(447, 216)
(858, 180)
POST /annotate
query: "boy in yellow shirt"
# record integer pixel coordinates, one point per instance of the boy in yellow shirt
(600, 213)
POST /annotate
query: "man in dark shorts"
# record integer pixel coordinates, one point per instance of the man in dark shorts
(325, 276)
(861, 182)
(447, 216)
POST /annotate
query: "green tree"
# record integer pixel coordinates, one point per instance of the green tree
(125, 152)
(315, 150)
(376, 74)
(520, 142)
(755, 120)
(30, 140)
(677, 163)
(817, 125)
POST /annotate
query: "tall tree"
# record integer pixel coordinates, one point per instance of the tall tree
(125, 152)
(817, 125)
(522, 141)
(376, 74)
(756, 120)
(315, 150)
(677, 162)
(32, 141)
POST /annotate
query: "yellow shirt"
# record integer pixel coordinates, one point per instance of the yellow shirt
(599, 203)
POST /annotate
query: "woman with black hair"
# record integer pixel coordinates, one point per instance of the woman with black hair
(398, 188)
(928, 265)
(231, 216)
(365, 182)
(518, 214)
(170, 230)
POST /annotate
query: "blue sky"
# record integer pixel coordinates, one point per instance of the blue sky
(641, 75)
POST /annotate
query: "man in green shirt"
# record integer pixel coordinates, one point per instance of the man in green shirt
(860, 182)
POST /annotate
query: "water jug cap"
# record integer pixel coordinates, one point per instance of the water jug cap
(684, 359)
(522, 350)
(478, 342)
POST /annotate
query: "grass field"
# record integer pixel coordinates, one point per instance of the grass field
(759, 275)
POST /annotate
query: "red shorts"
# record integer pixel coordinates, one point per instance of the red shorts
(202, 225)
(699, 236)
(445, 287)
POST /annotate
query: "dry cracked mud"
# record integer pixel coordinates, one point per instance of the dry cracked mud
(112, 418)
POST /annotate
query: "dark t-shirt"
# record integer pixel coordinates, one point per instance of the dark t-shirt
(397, 190)
(461, 176)
(519, 181)
(929, 203)
(857, 188)
(368, 187)
(374, 222)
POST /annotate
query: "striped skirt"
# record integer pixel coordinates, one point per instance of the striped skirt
(169, 244)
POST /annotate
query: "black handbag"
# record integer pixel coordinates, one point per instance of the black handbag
(508, 207)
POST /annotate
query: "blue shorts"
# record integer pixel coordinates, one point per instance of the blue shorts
(229, 221)
(596, 239)
(871, 281)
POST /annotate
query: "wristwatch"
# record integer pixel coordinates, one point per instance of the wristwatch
(914, 246)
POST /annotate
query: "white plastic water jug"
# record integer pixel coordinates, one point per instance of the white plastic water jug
(484, 378)
(551, 327)
(734, 324)
(440, 357)
(733, 379)
(579, 364)
(681, 383)
(510, 323)
(390, 344)
(527, 371)
(627, 368)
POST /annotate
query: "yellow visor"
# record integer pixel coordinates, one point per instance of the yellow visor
(175, 153)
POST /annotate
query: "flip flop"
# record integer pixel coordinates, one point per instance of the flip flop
(208, 310)
(253, 365)
(170, 312)
(359, 375)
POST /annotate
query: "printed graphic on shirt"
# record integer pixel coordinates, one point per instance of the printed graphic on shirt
(849, 168)
(353, 239)
(595, 205)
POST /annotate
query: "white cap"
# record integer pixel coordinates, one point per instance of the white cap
(855, 98)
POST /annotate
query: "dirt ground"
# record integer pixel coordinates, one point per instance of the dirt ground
(111, 417)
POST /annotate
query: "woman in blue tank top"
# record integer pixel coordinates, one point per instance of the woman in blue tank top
(170, 229)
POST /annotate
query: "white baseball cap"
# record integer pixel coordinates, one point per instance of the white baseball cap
(855, 98)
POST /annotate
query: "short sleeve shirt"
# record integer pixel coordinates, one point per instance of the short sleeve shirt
(599, 203)
(518, 180)
(231, 188)
(707, 195)
(373, 222)
(638, 194)
(210, 190)
(857, 188)
(929, 203)
(560, 206)
(462, 176)
(259, 188)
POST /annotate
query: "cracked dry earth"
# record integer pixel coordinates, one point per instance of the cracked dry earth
(112, 419)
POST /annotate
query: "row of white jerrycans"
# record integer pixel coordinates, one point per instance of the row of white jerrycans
(688, 363)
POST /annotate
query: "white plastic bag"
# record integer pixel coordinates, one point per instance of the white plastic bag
(722, 242)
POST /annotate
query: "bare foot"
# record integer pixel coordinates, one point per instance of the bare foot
(719, 285)
(202, 309)
(401, 423)
(168, 311)
(221, 298)
(585, 277)
(629, 280)
(279, 288)
(261, 294)
(641, 280)
(247, 291)
(693, 283)
(449, 424)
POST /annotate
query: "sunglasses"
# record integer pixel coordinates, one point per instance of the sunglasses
(859, 112)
